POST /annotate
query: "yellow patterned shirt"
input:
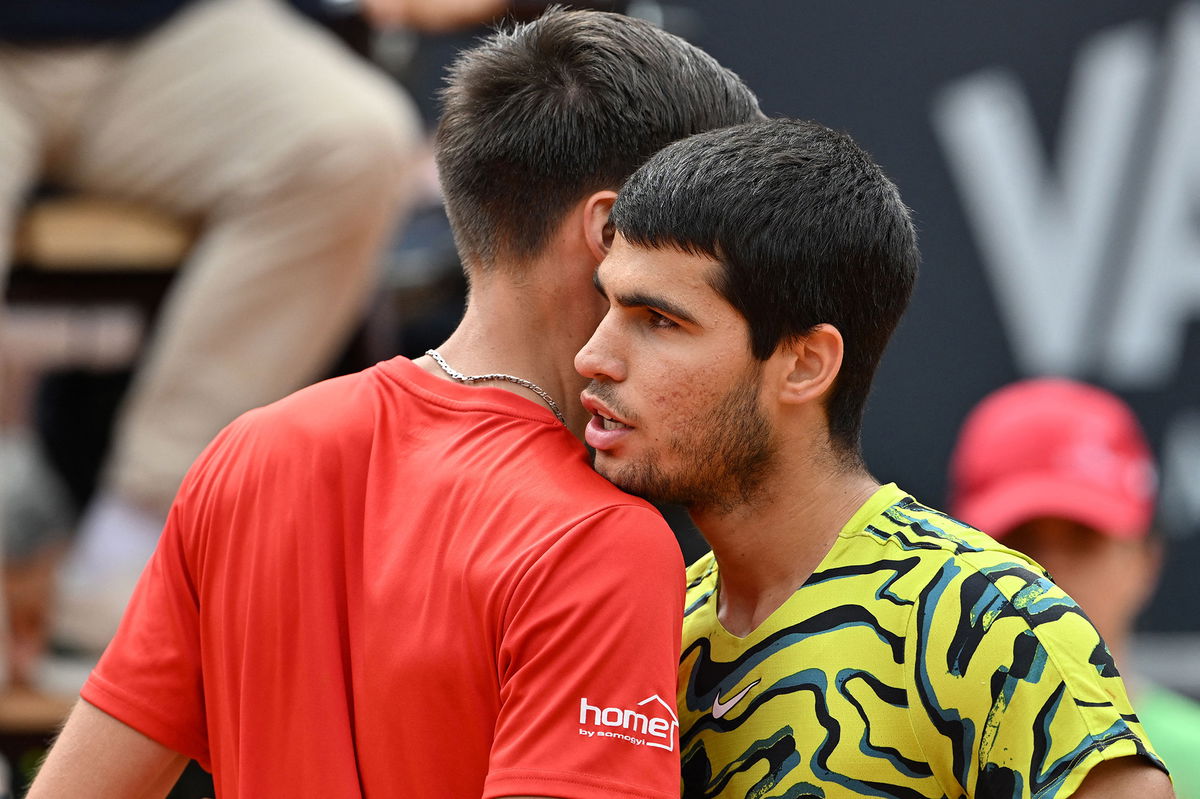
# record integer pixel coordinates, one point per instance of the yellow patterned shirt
(921, 659)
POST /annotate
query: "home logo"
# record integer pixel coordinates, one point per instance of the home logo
(653, 724)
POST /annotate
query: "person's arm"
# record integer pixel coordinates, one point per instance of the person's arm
(142, 716)
(588, 664)
(99, 757)
(1010, 666)
(1125, 777)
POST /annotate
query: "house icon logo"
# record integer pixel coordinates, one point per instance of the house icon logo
(651, 722)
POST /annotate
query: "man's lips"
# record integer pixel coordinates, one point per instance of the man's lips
(605, 429)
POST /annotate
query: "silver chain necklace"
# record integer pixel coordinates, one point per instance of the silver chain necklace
(520, 381)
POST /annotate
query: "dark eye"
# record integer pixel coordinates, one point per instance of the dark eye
(658, 320)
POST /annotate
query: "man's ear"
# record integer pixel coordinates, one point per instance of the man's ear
(811, 364)
(597, 230)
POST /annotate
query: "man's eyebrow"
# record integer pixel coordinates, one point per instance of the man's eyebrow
(641, 300)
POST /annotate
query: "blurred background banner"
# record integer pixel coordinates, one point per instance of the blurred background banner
(1051, 153)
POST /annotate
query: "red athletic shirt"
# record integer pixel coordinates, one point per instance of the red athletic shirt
(392, 585)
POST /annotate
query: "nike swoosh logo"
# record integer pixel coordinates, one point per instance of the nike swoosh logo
(721, 708)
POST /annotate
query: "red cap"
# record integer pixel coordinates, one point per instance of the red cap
(1051, 447)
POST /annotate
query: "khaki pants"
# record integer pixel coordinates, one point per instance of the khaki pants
(291, 153)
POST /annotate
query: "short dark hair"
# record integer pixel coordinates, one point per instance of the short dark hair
(808, 230)
(537, 117)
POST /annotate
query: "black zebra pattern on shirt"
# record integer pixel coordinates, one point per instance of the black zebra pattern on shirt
(920, 659)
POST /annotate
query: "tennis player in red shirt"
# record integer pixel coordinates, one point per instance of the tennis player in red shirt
(409, 582)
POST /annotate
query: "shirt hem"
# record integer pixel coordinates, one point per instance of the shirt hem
(100, 693)
(1125, 745)
(521, 782)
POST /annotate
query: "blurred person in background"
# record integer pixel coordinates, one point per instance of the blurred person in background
(1061, 471)
(409, 581)
(293, 158)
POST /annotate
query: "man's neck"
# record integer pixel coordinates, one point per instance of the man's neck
(515, 330)
(767, 550)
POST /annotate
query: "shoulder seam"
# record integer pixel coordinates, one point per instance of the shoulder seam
(911, 693)
(1098, 745)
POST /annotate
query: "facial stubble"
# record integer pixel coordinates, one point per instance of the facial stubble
(721, 468)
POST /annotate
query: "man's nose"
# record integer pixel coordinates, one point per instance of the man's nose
(598, 360)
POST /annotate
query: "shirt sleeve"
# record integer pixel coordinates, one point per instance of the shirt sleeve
(150, 675)
(588, 662)
(1018, 690)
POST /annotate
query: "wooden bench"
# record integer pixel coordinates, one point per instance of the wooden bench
(87, 250)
